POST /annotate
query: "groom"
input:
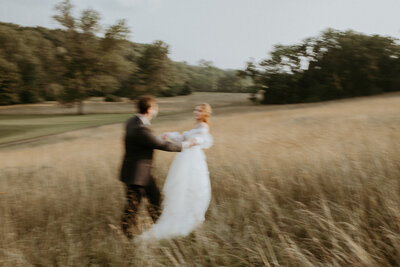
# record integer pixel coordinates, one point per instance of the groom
(136, 167)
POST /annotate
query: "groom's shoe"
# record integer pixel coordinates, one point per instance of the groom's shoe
(127, 232)
(130, 231)
(129, 235)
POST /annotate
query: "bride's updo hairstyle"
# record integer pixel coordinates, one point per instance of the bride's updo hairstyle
(205, 111)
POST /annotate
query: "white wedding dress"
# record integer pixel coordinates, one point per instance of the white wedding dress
(187, 190)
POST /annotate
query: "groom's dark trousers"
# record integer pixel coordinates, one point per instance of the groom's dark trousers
(136, 170)
(134, 196)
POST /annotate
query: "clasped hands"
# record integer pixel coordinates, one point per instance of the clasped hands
(190, 143)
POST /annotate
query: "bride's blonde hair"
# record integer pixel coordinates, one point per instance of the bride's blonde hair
(205, 111)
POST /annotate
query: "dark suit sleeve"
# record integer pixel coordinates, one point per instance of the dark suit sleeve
(151, 141)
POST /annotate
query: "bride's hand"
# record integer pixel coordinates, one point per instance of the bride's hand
(193, 142)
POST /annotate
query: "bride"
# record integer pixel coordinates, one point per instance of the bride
(187, 190)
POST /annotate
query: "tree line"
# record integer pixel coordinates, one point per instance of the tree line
(84, 59)
(333, 65)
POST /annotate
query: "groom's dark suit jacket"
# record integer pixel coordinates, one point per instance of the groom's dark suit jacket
(139, 145)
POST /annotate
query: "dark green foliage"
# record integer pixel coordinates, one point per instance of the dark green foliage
(154, 73)
(9, 82)
(84, 55)
(187, 89)
(178, 89)
(29, 96)
(74, 63)
(112, 98)
(232, 82)
(173, 90)
(331, 66)
(37, 64)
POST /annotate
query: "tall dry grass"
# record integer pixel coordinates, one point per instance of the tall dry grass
(311, 186)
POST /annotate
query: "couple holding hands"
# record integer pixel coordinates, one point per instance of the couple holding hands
(186, 190)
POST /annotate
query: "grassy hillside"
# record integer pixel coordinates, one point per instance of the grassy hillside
(22, 122)
(302, 185)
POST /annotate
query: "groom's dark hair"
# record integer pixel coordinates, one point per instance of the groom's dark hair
(144, 103)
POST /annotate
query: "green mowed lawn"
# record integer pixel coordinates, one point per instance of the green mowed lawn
(46, 120)
(18, 127)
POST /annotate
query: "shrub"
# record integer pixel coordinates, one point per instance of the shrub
(112, 98)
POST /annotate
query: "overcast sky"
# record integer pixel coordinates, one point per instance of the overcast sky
(226, 32)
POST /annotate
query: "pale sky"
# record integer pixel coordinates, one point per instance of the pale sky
(226, 32)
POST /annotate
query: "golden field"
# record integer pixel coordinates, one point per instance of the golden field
(295, 185)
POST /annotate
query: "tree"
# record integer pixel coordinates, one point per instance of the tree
(154, 70)
(187, 89)
(9, 81)
(330, 66)
(82, 50)
(231, 82)
(76, 62)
